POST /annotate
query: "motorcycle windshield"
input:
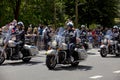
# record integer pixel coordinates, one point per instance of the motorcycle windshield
(7, 36)
(77, 32)
(60, 35)
(61, 31)
(109, 37)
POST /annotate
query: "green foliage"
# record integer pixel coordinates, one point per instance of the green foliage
(93, 26)
(57, 11)
(94, 11)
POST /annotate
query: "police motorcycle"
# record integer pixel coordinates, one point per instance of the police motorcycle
(59, 52)
(83, 36)
(25, 54)
(84, 40)
(109, 46)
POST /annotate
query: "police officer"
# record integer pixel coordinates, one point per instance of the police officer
(83, 32)
(70, 39)
(20, 37)
(115, 37)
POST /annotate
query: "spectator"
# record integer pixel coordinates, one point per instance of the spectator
(40, 36)
(29, 35)
(46, 36)
(29, 31)
(35, 33)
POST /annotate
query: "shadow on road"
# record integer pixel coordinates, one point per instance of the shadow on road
(70, 68)
(113, 56)
(20, 63)
(91, 53)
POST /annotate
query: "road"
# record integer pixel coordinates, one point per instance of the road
(94, 68)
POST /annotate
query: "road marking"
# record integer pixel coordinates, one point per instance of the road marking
(96, 77)
(117, 72)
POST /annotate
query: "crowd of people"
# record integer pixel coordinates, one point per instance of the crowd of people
(41, 35)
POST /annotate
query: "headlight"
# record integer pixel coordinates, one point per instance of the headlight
(105, 41)
(11, 43)
(111, 42)
(54, 44)
(63, 46)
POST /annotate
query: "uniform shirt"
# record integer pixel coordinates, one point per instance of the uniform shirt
(70, 36)
(20, 37)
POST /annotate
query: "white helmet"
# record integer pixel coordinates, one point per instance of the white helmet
(115, 26)
(20, 24)
(70, 24)
(82, 26)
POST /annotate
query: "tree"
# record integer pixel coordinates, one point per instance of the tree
(77, 4)
(94, 11)
(108, 11)
(57, 11)
(15, 4)
(5, 12)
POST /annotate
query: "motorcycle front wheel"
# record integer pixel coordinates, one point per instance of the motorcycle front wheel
(103, 52)
(2, 58)
(51, 61)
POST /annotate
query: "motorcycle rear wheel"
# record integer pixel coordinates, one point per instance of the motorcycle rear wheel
(74, 64)
(26, 57)
(117, 55)
(26, 60)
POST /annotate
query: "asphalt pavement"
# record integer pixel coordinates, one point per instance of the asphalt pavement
(94, 68)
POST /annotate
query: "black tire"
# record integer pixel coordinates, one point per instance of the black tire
(26, 60)
(103, 52)
(117, 55)
(74, 64)
(2, 58)
(26, 56)
(50, 61)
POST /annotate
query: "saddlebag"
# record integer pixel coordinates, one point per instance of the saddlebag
(82, 54)
(32, 49)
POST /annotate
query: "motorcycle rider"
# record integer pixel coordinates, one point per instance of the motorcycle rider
(83, 36)
(20, 38)
(70, 40)
(115, 32)
(83, 32)
(112, 34)
(115, 35)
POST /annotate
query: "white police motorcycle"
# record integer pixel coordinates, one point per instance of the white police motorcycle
(25, 54)
(58, 53)
(109, 46)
